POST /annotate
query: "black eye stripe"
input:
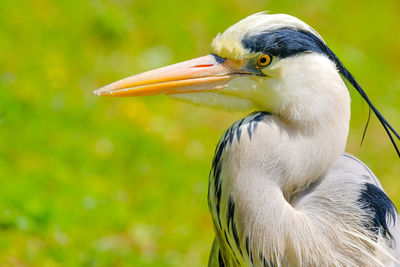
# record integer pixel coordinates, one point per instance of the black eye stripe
(284, 42)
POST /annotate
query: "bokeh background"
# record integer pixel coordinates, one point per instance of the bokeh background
(88, 181)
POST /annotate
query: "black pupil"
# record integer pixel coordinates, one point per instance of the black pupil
(263, 60)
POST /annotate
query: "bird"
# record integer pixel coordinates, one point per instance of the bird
(282, 190)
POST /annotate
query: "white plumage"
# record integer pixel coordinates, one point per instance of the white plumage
(289, 210)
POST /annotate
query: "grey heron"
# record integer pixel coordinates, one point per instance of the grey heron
(282, 190)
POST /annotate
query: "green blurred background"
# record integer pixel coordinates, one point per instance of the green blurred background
(88, 181)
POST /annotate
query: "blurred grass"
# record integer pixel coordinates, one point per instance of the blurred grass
(87, 181)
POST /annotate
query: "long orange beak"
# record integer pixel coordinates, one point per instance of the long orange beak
(199, 74)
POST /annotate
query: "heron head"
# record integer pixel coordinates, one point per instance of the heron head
(274, 63)
(266, 62)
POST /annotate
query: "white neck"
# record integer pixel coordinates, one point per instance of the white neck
(263, 175)
(284, 156)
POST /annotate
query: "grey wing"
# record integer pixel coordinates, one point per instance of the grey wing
(349, 162)
(372, 197)
(350, 196)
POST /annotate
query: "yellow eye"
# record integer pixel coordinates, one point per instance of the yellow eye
(264, 60)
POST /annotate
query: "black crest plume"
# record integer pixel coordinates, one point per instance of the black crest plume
(346, 74)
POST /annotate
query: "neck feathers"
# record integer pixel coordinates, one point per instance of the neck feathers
(259, 164)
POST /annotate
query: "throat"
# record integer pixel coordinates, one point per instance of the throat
(292, 156)
(263, 147)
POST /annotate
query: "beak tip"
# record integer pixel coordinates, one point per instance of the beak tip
(98, 93)
(102, 91)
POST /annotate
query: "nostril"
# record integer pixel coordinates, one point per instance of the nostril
(203, 66)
